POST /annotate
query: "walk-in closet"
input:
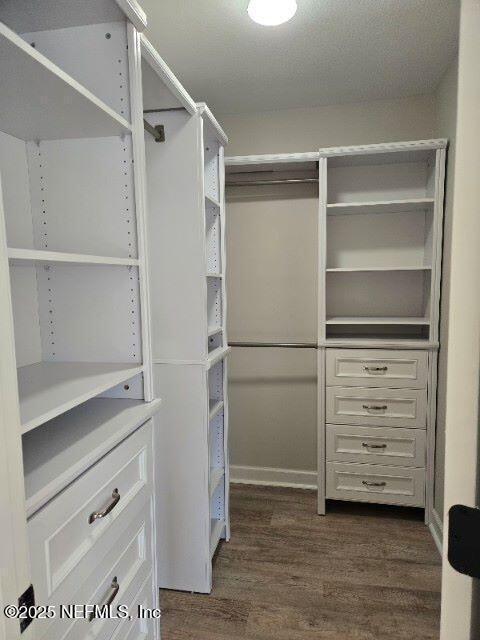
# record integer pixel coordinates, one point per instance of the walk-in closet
(239, 320)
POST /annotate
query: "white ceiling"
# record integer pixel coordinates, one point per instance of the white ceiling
(333, 51)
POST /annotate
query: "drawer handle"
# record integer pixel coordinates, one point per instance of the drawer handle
(373, 446)
(375, 369)
(97, 515)
(115, 588)
(375, 407)
(374, 484)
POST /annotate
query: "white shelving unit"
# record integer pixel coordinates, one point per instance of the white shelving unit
(379, 248)
(187, 289)
(73, 243)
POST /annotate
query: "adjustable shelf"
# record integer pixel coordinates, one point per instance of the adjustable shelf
(213, 331)
(217, 355)
(39, 101)
(66, 446)
(216, 530)
(408, 205)
(377, 321)
(212, 200)
(215, 406)
(18, 257)
(216, 477)
(48, 389)
(386, 269)
(214, 275)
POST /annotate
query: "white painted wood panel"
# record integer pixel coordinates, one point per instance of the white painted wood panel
(377, 368)
(381, 407)
(62, 533)
(375, 483)
(65, 447)
(376, 445)
(48, 389)
(41, 102)
(24, 294)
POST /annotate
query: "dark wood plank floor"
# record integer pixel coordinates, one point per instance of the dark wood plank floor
(361, 573)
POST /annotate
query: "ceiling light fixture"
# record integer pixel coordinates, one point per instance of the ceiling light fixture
(271, 13)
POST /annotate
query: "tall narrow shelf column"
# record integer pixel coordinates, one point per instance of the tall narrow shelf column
(186, 218)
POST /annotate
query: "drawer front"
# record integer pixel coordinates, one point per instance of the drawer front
(376, 483)
(377, 407)
(376, 445)
(377, 368)
(119, 574)
(66, 538)
(138, 628)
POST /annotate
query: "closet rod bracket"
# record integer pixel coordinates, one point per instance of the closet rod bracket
(158, 132)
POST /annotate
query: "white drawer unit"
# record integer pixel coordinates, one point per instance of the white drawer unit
(376, 483)
(377, 368)
(75, 530)
(376, 445)
(376, 407)
(139, 628)
(118, 575)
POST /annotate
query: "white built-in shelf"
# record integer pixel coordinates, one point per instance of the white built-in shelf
(385, 206)
(65, 447)
(385, 269)
(216, 355)
(214, 331)
(25, 256)
(216, 477)
(378, 321)
(212, 200)
(216, 530)
(39, 101)
(211, 274)
(48, 389)
(214, 408)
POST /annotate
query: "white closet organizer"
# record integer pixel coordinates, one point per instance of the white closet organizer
(71, 127)
(187, 264)
(380, 245)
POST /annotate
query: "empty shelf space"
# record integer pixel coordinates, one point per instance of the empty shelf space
(396, 268)
(213, 331)
(39, 101)
(65, 447)
(215, 356)
(48, 389)
(216, 531)
(25, 256)
(216, 477)
(378, 321)
(408, 205)
(214, 408)
(212, 200)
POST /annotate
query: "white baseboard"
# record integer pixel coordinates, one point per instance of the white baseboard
(270, 477)
(436, 529)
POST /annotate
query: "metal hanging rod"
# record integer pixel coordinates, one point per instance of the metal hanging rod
(264, 183)
(157, 132)
(280, 345)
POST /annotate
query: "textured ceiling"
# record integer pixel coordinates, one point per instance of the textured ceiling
(333, 51)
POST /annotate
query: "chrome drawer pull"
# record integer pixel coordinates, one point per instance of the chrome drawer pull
(375, 407)
(115, 587)
(96, 515)
(374, 484)
(373, 446)
(375, 369)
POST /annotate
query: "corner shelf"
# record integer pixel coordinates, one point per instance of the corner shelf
(216, 529)
(18, 257)
(216, 477)
(39, 101)
(214, 406)
(48, 389)
(408, 205)
(68, 445)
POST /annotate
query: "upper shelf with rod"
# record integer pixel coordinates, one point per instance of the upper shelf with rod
(272, 170)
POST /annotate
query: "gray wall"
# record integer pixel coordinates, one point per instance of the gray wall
(271, 277)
